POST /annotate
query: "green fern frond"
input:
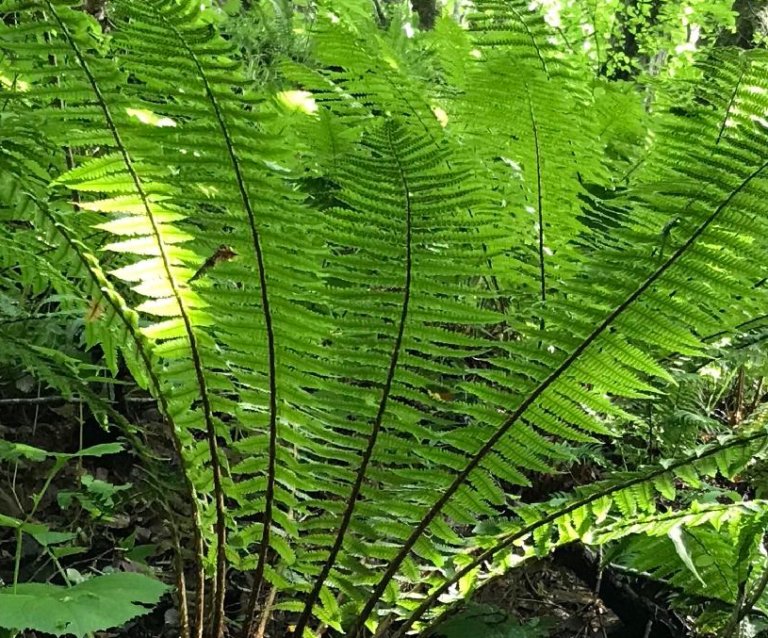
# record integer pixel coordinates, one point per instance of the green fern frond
(603, 512)
(703, 560)
(721, 210)
(353, 340)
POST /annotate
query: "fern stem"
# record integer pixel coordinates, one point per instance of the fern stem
(488, 446)
(269, 329)
(266, 612)
(386, 392)
(181, 585)
(731, 105)
(535, 44)
(539, 202)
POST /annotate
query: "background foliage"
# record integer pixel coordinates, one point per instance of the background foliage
(389, 284)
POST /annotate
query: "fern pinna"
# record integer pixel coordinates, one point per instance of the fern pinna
(408, 321)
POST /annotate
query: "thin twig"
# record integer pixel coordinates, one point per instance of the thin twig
(756, 398)
(265, 613)
(181, 584)
(648, 628)
(59, 399)
(36, 400)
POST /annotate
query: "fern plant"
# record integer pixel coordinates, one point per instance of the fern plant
(371, 306)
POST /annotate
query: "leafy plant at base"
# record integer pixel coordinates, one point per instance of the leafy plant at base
(98, 603)
(304, 379)
(81, 608)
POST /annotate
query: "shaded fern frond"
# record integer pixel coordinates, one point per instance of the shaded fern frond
(363, 356)
(634, 504)
(613, 324)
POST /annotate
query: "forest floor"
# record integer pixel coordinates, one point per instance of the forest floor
(116, 525)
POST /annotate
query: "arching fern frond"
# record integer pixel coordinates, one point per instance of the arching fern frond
(616, 324)
(329, 356)
(714, 561)
(47, 252)
(599, 513)
(537, 161)
(90, 83)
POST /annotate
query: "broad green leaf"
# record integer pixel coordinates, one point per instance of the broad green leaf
(98, 603)
(49, 537)
(14, 451)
